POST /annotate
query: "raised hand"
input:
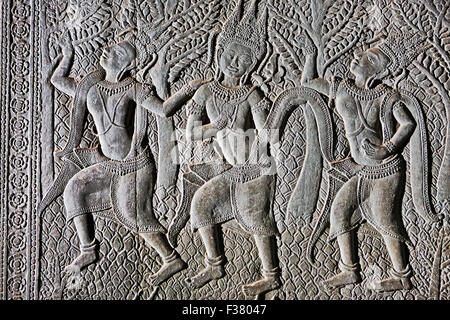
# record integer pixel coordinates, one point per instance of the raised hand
(66, 45)
(305, 42)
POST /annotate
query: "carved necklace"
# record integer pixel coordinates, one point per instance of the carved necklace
(228, 94)
(362, 94)
(113, 88)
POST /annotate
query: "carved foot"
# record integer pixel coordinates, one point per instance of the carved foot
(391, 284)
(87, 256)
(213, 271)
(349, 275)
(171, 265)
(260, 287)
(398, 281)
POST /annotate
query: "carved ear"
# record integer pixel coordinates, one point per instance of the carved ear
(383, 74)
(148, 65)
(372, 80)
(219, 53)
(130, 67)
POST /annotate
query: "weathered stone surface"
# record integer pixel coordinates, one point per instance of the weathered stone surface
(193, 149)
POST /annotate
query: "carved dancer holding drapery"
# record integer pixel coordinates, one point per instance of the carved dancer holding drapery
(379, 121)
(115, 179)
(237, 187)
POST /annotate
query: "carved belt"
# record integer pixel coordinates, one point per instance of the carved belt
(124, 167)
(246, 172)
(382, 170)
(345, 169)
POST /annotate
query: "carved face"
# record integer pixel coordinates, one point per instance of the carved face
(236, 60)
(118, 57)
(369, 63)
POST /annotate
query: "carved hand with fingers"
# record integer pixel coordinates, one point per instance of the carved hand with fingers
(66, 45)
(195, 84)
(306, 43)
(373, 151)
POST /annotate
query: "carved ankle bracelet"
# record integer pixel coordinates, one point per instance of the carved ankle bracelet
(402, 274)
(89, 247)
(173, 256)
(214, 262)
(272, 273)
(348, 268)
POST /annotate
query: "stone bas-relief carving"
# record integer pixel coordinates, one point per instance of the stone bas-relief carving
(241, 190)
(378, 122)
(193, 149)
(118, 173)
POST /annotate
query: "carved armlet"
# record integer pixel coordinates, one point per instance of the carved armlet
(194, 108)
(390, 146)
(220, 123)
(144, 93)
(188, 89)
(262, 105)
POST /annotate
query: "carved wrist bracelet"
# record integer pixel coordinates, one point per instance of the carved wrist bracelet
(390, 146)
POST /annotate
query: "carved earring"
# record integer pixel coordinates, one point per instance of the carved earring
(400, 77)
(128, 68)
(216, 58)
(244, 79)
(372, 80)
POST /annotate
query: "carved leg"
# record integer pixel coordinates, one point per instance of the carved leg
(270, 271)
(401, 272)
(84, 226)
(89, 181)
(214, 260)
(172, 263)
(349, 267)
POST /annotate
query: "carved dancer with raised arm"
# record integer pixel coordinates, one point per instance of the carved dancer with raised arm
(379, 121)
(115, 179)
(238, 187)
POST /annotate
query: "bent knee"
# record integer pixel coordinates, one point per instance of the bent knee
(201, 203)
(341, 211)
(74, 189)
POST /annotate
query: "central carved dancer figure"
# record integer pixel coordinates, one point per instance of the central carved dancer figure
(379, 121)
(237, 188)
(119, 173)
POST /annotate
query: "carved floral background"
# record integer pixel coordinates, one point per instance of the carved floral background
(35, 125)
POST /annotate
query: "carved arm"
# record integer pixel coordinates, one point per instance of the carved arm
(60, 78)
(405, 130)
(172, 104)
(310, 77)
(196, 131)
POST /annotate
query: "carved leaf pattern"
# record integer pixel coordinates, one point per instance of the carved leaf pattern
(336, 28)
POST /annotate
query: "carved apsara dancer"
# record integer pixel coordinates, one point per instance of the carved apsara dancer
(379, 121)
(236, 188)
(115, 179)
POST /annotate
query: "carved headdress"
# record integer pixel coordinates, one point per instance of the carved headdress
(249, 31)
(401, 49)
(145, 48)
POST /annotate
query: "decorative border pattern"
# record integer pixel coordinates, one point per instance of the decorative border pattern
(4, 55)
(26, 151)
(20, 172)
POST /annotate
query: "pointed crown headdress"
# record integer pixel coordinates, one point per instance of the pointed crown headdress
(401, 49)
(249, 31)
